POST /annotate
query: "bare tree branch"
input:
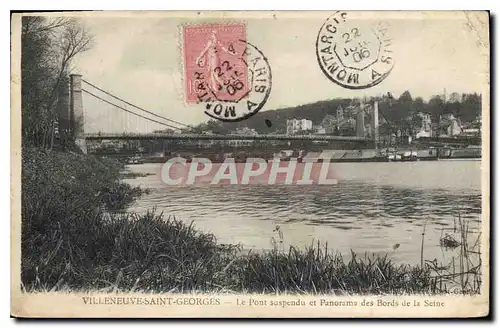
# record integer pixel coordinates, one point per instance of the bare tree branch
(48, 48)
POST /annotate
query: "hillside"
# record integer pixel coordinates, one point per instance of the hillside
(466, 106)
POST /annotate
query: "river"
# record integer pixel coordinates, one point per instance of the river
(373, 207)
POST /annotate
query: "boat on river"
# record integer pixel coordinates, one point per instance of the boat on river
(393, 157)
(135, 160)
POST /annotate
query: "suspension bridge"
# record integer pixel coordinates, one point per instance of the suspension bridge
(91, 113)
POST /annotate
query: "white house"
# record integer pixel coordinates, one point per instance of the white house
(449, 126)
(425, 129)
(320, 130)
(296, 125)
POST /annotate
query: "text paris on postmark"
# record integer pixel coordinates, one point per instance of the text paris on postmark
(354, 53)
(230, 77)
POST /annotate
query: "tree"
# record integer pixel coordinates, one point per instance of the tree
(167, 131)
(435, 107)
(418, 104)
(405, 97)
(330, 123)
(454, 98)
(48, 48)
(415, 124)
(405, 106)
(471, 107)
(385, 129)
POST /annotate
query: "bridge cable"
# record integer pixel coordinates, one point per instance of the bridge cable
(128, 103)
(131, 112)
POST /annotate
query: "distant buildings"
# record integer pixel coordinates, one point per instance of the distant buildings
(115, 146)
(449, 125)
(347, 127)
(340, 114)
(246, 131)
(243, 143)
(329, 123)
(426, 126)
(294, 126)
(472, 129)
(471, 132)
(319, 130)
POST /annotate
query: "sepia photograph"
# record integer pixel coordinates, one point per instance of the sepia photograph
(250, 164)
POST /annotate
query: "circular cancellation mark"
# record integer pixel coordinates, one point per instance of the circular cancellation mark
(354, 53)
(254, 91)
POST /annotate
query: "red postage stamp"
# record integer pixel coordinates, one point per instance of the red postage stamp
(214, 67)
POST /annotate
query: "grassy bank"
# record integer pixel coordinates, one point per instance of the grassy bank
(70, 241)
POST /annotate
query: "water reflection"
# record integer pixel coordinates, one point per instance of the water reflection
(325, 205)
(363, 216)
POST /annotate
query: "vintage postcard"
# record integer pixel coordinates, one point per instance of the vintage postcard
(250, 164)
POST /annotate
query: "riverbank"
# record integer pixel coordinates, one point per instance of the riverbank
(70, 242)
(333, 156)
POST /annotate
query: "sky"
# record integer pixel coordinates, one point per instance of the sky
(139, 58)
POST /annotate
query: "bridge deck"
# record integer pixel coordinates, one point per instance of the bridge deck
(166, 136)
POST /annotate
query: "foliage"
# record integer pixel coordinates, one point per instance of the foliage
(58, 188)
(48, 47)
(317, 270)
(70, 241)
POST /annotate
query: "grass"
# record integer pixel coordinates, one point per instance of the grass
(152, 254)
(133, 175)
(71, 241)
(463, 272)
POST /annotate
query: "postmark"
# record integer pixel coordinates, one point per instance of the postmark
(259, 88)
(226, 75)
(354, 53)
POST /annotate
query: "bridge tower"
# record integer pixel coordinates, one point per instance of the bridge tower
(76, 112)
(63, 111)
(360, 122)
(375, 131)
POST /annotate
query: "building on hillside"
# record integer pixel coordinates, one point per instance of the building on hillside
(319, 130)
(426, 128)
(473, 128)
(246, 131)
(294, 126)
(329, 123)
(477, 123)
(347, 127)
(340, 113)
(449, 125)
(471, 132)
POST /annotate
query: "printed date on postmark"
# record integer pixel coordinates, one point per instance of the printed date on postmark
(354, 53)
(228, 76)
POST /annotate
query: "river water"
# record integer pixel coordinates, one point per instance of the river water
(373, 207)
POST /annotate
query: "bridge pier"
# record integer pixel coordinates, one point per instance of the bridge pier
(63, 111)
(375, 133)
(360, 123)
(76, 112)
